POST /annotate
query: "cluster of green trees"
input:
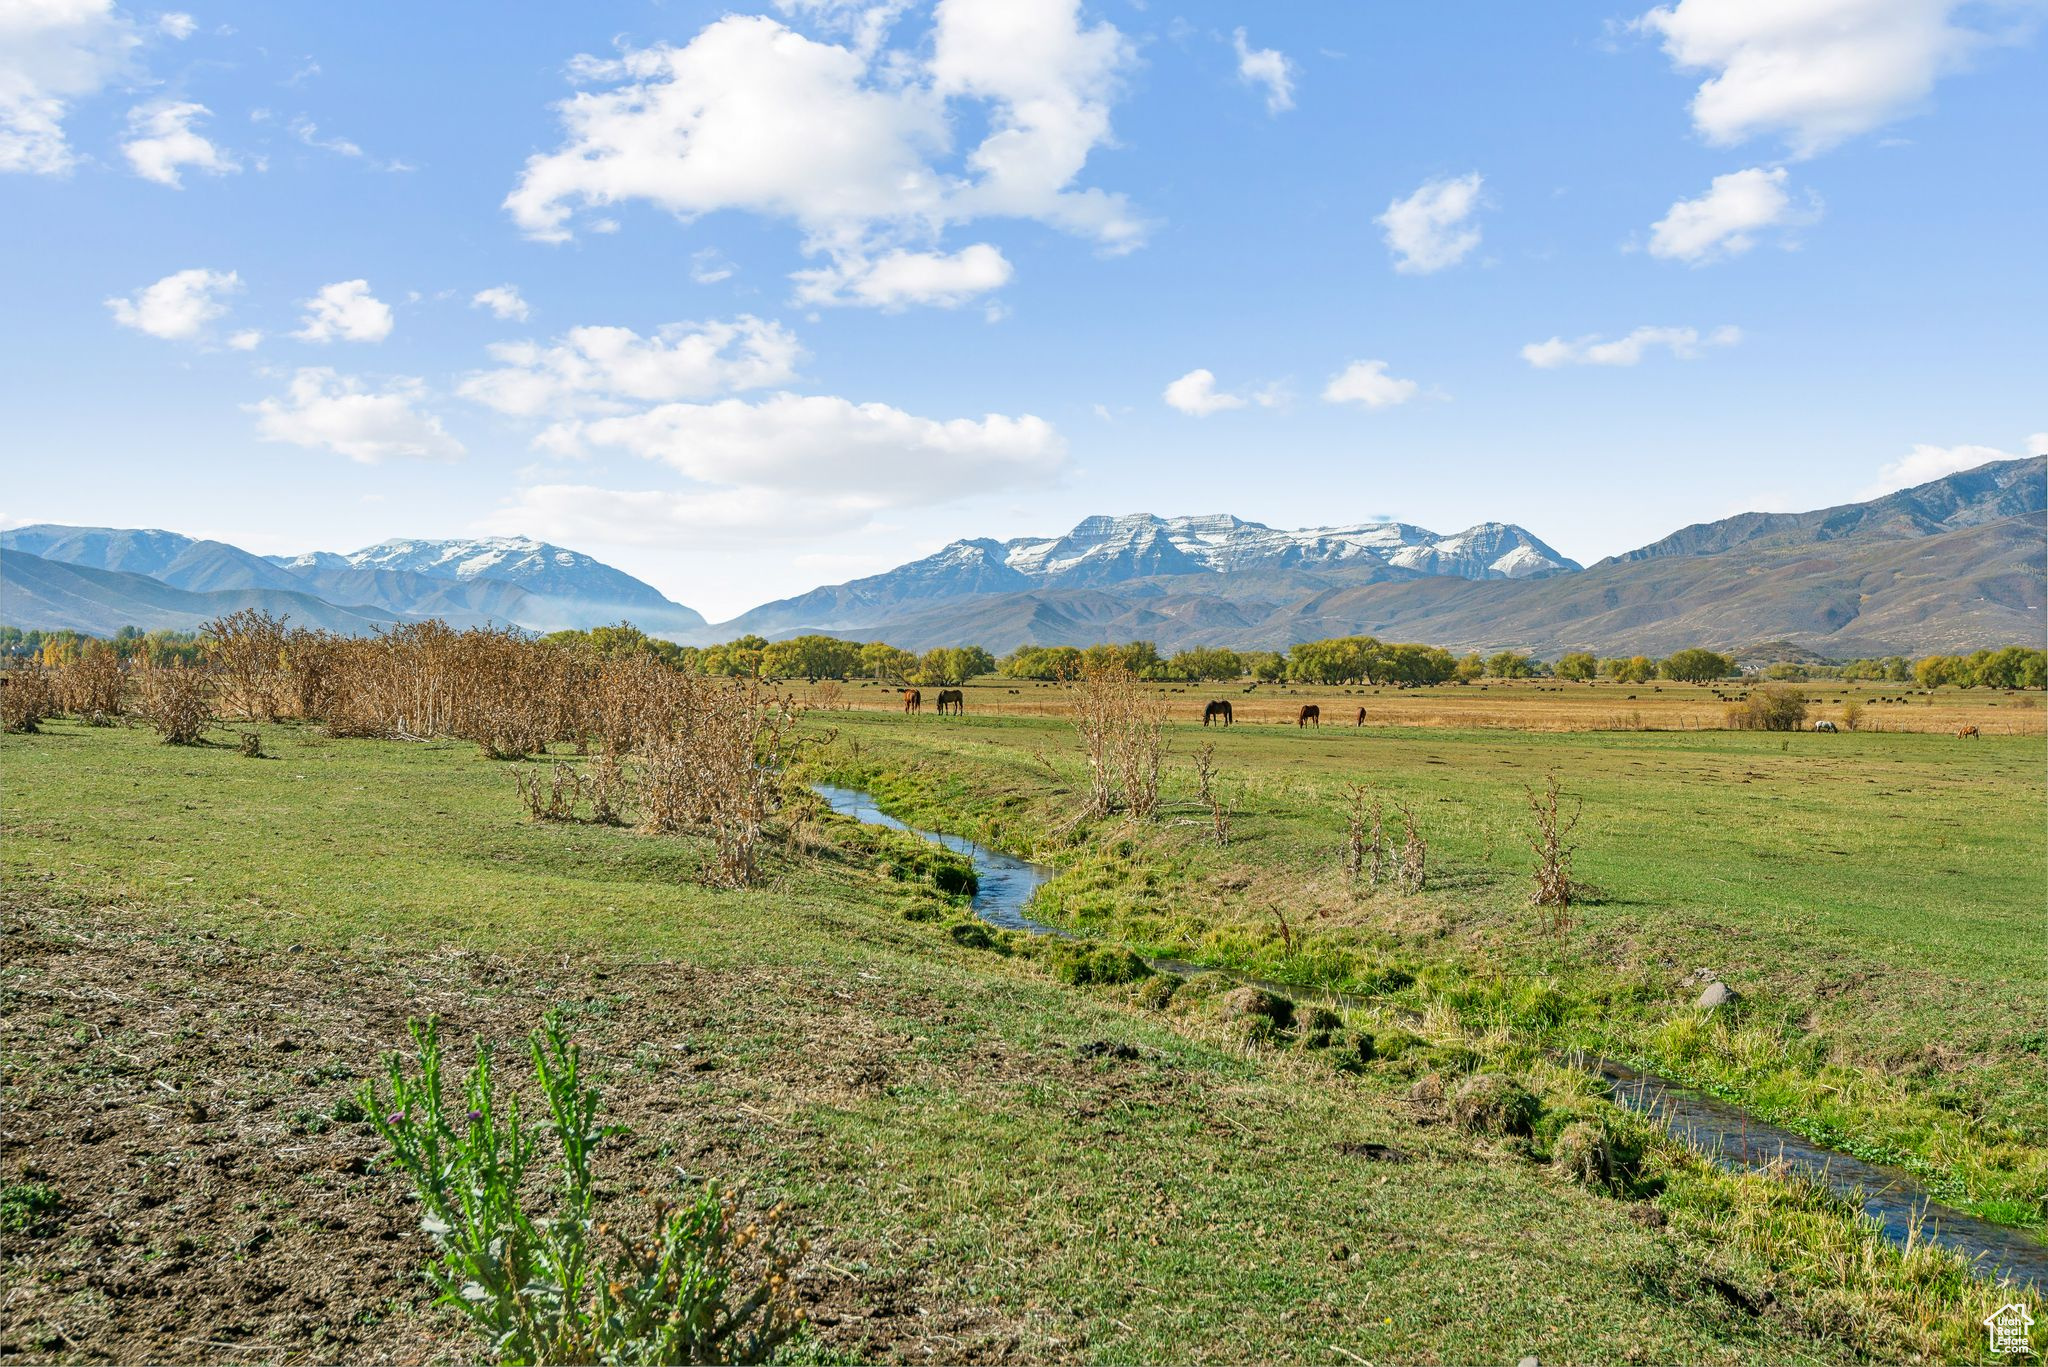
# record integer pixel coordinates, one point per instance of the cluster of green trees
(2012, 667)
(806, 657)
(55, 648)
(1364, 660)
(1142, 658)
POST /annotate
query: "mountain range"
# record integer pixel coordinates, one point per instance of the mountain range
(1955, 563)
(100, 578)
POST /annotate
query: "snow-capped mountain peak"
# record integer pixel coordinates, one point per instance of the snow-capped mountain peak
(1141, 544)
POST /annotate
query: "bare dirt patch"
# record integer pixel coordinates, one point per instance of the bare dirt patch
(186, 1099)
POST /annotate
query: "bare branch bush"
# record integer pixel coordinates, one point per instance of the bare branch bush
(91, 685)
(1365, 841)
(1204, 763)
(1094, 705)
(1209, 790)
(724, 768)
(1555, 888)
(1414, 873)
(1122, 726)
(554, 797)
(176, 700)
(311, 667)
(247, 648)
(27, 699)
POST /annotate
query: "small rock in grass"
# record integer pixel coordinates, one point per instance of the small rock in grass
(1717, 994)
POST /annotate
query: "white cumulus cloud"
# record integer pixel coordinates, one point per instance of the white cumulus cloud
(179, 306)
(1815, 72)
(325, 410)
(1725, 220)
(1432, 228)
(786, 465)
(1196, 395)
(609, 370)
(345, 310)
(53, 53)
(1926, 462)
(1267, 68)
(503, 301)
(1685, 344)
(820, 443)
(162, 139)
(897, 279)
(852, 143)
(1368, 384)
(177, 25)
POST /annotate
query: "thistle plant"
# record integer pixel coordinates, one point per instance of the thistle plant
(703, 1284)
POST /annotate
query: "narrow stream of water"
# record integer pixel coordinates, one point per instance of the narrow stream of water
(1901, 1205)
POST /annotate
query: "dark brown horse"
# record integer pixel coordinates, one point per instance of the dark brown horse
(1218, 712)
(952, 700)
(1361, 716)
(1310, 713)
(913, 701)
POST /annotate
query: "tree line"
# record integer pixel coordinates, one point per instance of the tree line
(1330, 661)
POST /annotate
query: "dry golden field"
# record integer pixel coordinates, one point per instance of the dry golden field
(1520, 705)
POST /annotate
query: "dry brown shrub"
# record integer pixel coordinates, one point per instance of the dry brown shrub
(1122, 725)
(553, 798)
(91, 685)
(248, 650)
(604, 784)
(1366, 853)
(28, 697)
(1210, 793)
(176, 700)
(1414, 855)
(312, 672)
(723, 769)
(1555, 887)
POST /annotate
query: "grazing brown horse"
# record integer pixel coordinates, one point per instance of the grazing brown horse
(913, 701)
(1361, 716)
(952, 700)
(1218, 712)
(1968, 733)
(1310, 713)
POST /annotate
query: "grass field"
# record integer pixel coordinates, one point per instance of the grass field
(206, 952)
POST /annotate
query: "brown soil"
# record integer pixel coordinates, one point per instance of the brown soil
(177, 1091)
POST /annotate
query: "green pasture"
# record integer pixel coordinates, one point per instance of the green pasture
(1204, 1201)
(1877, 898)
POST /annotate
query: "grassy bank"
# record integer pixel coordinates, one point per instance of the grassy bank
(1875, 898)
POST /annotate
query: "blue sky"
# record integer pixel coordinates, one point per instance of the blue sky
(748, 300)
